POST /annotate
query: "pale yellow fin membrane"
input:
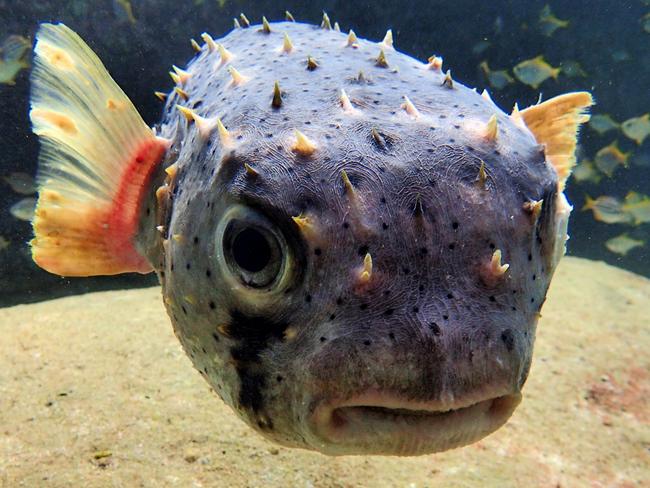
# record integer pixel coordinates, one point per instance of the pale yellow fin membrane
(97, 155)
(555, 124)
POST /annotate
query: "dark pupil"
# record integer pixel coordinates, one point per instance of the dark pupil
(251, 250)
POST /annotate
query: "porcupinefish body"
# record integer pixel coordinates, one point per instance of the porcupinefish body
(353, 247)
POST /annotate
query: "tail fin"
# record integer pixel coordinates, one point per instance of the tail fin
(97, 157)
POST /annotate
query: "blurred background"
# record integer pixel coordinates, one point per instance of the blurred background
(517, 50)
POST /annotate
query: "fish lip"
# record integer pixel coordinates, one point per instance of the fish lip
(381, 423)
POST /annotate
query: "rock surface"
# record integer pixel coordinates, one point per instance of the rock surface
(95, 391)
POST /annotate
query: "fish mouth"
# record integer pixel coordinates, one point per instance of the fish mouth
(386, 424)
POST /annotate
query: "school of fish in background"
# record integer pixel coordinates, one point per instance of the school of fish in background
(624, 142)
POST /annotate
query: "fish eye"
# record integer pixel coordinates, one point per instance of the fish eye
(253, 249)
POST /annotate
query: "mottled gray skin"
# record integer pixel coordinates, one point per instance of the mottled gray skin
(427, 329)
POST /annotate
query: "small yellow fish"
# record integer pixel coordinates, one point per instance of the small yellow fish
(535, 71)
(609, 158)
(637, 128)
(127, 10)
(481, 46)
(572, 69)
(24, 209)
(638, 207)
(549, 23)
(498, 79)
(602, 123)
(21, 183)
(14, 53)
(4, 243)
(623, 244)
(586, 171)
(607, 209)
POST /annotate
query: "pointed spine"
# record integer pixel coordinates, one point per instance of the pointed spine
(182, 93)
(347, 185)
(288, 16)
(435, 63)
(276, 102)
(410, 108)
(378, 138)
(492, 129)
(207, 38)
(195, 46)
(481, 179)
(312, 64)
(237, 77)
(346, 104)
(160, 95)
(225, 55)
(533, 208)
(182, 74)
(325, 24)
(236, 24)
(287, 45)
(381, 59)
(250, 172)
(353, 41)
(303, 222)
(266, 27)
(303, 145)
(224, 135)
(448, 82)
(337, 27)
(388, 39)
(496, 267)
(366, 271)
(243, 20)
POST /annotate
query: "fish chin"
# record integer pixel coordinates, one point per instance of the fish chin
(384, 424)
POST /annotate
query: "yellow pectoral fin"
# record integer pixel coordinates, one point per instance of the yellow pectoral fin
(97, 157)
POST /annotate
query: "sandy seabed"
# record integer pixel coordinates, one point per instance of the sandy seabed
(95, 391)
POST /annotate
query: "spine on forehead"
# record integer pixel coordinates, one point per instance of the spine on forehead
(96, 161)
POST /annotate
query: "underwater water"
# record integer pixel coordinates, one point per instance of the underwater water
(90, 399)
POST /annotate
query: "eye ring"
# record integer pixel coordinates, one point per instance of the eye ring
(253, 249)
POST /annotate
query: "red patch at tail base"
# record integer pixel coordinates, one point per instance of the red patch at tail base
(77, 238)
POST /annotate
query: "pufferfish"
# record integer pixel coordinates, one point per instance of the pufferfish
(353, 247)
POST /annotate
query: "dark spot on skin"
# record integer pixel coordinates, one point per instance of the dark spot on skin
(492, 298)
(308, 298)
(534, 277)
(366, 342)
(212, 305)
(208, 273)
(332, 317)
(279, 378)
(450, 296)
(148, 211)
(253, 335)
(406, 271)
(382, 200)
(391, 336)
(388, 312)
(363, 306)
(346, 225)
(183, 309)
(530, 257)
(323, 339)
(452, 246)
(215, 337)
(384, 225)
(446, 317)
(454, 225)
(435, 329)
(196, 240)
(363, 250)
(188, 266)
(416, 309)
(508, 339)
(492, 246)
(318, 251)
